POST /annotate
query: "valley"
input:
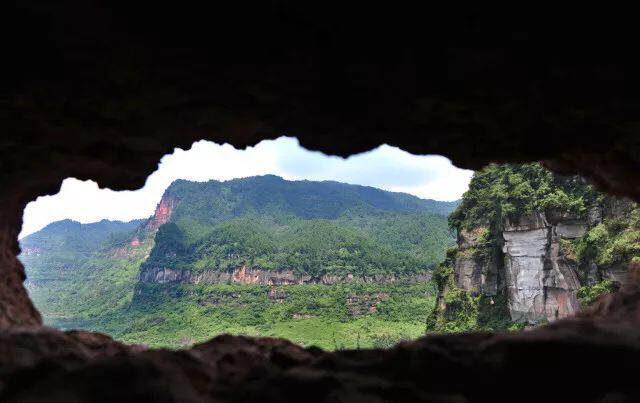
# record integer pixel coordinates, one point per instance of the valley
(321, 263)
(336, 266)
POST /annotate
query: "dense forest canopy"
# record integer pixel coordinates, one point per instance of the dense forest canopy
(506, 192)
(272, 196)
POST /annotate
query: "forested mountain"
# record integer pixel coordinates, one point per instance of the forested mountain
(313, 228)
(322, 263)
(64, 244)
(214, 201)
(336, 265)
(77, 271)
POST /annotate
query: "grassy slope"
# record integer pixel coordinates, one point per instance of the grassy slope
(74, 275)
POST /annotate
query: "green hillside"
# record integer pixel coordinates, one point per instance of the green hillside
(74, 270)
(331, 317)
(312, 228)
(65, 243)
(271, 196)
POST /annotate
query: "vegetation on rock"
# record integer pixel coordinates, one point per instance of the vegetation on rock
(459, 311)
(506, 192)
(589, 294)
(313, 228)
(614, 242)
(500, 195)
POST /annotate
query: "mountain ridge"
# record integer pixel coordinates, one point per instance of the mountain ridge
(299, 196)
(263, 222)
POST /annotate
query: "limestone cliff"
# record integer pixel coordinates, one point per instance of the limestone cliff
(540, 283)
(536, 263)
(532, 247)
(477, 265)
(161, 216)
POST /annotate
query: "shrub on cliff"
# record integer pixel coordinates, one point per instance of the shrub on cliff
(500, 192)
(588, 295)
(613, 243)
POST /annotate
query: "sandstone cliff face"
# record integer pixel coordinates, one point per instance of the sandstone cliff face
(541, 284)
(473, 273)
(161, 216)
(146, 232)
(526, 264)
(247, 275)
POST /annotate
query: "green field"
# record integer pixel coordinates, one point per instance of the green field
(330, 317)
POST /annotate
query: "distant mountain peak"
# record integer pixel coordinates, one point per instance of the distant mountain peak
(328, 198)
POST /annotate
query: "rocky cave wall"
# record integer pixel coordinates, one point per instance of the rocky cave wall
(101, 90)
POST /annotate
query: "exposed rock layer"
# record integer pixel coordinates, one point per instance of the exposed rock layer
(247, 275)
(528, 264)
(473, 274)
(541, 284)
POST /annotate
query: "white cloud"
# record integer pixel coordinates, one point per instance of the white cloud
(386, 167)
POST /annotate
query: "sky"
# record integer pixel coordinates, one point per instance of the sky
(386, 167)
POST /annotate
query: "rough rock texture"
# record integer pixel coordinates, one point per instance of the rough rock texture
(101, 90)
(525, 255)
(478, 276)
(541, 283)
(248, 275)
(161, 215)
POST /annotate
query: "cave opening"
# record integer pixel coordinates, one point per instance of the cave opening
(277, 241)
(271, 241)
